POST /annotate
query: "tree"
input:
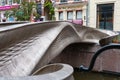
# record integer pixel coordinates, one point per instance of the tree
(50, 7)
(23, 13)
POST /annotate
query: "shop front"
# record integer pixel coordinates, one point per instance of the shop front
(3, 10)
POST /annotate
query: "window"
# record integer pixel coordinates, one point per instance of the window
(39, 8)
(77, 0)
(62, 1)
(105, 16)
(6, 2)
(60, 15)
(78, 14)
(3, 2)
(10, 2)
(0, 2)
(70, 15)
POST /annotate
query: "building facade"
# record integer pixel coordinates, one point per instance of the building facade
(71, 10)
(31, 0)
(104, 14)
(7, 5)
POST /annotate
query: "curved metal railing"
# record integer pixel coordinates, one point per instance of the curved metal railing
(104, 48)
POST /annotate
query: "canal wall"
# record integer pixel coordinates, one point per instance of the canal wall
(80, 54)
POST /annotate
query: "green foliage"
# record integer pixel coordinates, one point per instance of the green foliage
(18, 1)
(25, 10)
(23, 13)
(7, 13)
(50, 7)
(116, 39)
(37, 16)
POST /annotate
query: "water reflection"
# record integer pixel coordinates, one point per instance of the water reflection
(94, 76)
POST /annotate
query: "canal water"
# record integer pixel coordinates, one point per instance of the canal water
(94, 76)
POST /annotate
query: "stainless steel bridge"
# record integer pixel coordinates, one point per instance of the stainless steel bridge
(26, 47)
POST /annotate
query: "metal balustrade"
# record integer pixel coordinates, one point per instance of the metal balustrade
(100, 51)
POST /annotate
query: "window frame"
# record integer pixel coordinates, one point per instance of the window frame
(60, 16)
(100, 10)
(63, 1)
(68, 15)
(76, 14)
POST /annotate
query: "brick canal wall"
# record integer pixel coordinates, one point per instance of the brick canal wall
(81, 54)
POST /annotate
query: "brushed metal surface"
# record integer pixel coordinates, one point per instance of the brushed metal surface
(3, 24)
(24, 48)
